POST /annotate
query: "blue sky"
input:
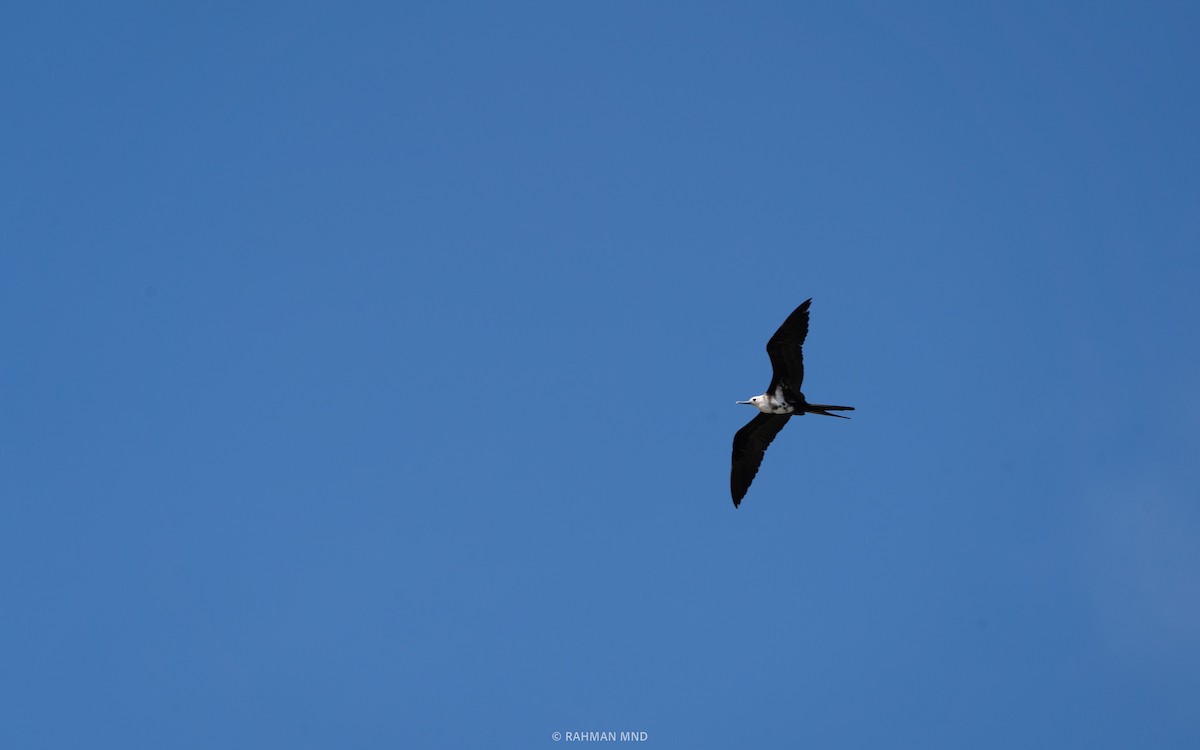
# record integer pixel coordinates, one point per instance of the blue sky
(368, 374)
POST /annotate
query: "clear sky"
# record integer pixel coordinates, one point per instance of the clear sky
(367, 374)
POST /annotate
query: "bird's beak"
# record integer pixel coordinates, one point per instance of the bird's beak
(744, 402)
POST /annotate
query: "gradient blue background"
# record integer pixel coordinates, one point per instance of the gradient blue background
(368, 374)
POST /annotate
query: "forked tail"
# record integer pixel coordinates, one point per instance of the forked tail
(826, 408)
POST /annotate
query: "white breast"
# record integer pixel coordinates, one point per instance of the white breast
(777, 404)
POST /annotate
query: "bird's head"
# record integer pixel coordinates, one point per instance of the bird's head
(755, 401)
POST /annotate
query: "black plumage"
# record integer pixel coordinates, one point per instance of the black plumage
(749, 445)
(782, 400)
(786, 350)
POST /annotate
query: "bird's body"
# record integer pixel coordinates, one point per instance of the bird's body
(778, 404)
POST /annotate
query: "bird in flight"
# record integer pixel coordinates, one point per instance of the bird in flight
(782, 400)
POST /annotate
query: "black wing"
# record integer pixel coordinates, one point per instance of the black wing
(787, 357)
(749, 445)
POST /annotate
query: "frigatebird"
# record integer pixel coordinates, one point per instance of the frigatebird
(782, 400)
